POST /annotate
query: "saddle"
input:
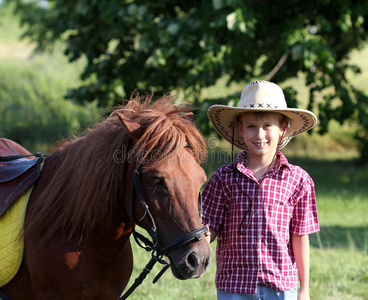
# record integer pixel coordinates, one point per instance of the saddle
(17, 177)
(17, 173)
(11, 239)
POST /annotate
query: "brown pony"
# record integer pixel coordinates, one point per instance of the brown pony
(77, 224)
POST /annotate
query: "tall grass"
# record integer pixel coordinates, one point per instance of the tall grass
(33, 111)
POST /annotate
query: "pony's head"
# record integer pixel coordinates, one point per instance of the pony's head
(88, 182)
(167, 150)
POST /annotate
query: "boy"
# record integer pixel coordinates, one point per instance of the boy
(260, 207)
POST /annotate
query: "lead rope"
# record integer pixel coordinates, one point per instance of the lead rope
(147, 269)
(232, 144)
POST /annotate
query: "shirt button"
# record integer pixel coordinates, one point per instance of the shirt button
(256, 214)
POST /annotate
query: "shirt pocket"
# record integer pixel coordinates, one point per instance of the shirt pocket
(280, 218)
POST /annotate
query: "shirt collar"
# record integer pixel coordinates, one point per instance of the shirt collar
(281, 162)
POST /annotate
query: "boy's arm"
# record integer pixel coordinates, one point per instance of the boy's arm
(302, 253)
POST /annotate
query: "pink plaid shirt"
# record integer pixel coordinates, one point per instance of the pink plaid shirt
(284, 205)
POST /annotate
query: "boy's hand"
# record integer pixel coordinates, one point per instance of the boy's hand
(207, 235)
(210, 235)
(303, 295)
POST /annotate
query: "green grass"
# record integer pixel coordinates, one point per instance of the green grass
(339, 274)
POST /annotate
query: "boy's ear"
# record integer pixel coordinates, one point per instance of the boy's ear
(239, 126)
(285, 124)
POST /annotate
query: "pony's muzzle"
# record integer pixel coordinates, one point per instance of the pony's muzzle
(192, 265)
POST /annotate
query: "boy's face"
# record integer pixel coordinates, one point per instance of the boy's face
(261, 132)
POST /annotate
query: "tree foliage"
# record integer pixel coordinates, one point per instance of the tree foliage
(187, 45)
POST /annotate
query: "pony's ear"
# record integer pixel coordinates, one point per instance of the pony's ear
(134, 129)
(188, 116)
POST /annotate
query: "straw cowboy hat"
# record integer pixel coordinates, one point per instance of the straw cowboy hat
(259, 96)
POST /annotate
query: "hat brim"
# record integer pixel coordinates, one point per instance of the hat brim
(223, 118)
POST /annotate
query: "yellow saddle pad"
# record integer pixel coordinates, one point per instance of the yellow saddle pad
(11, 239)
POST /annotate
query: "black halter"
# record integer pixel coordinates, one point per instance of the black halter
(153, 246)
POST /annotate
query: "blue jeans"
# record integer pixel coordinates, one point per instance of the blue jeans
(263, 293)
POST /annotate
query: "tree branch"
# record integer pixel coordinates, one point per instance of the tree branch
(278, 66)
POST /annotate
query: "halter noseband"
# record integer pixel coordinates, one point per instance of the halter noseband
(157, 252)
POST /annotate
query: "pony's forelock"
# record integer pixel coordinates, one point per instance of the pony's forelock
(167, 129)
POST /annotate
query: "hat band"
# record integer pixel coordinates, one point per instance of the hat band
(260, 105)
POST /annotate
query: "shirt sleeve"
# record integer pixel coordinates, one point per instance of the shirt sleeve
(213, 203)
(305, 217)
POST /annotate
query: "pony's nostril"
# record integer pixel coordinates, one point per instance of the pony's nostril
(192, 261)
(207, 263)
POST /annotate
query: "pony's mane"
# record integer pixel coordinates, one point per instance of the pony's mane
(86, 175)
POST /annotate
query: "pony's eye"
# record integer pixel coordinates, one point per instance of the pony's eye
(158, 181)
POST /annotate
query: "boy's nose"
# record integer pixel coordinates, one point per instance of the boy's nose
(260, 133)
